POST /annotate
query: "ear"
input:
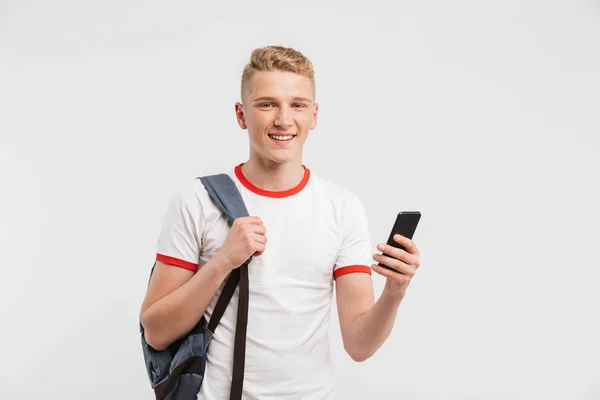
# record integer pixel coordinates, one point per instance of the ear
(315, 117)
(239, 115)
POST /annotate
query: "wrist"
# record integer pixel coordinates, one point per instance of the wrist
(392, 296)
(222, 264)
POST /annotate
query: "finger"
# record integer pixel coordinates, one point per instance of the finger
(250, 219)
(398, 265)
(262, 239)
(394, 252)
(260, 248)
(247, 220)
(408, 244)
(408, 259)
(403, 279)
(259, 229)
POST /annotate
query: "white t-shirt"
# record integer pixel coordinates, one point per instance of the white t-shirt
(316, 232)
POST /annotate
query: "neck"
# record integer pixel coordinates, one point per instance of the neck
(272, 176)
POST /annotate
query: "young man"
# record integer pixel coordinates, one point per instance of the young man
(306, 233)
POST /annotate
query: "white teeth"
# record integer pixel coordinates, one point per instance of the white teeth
(281, 137)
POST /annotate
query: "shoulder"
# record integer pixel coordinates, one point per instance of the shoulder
(191, 195)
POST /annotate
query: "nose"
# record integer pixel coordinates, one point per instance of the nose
(283, 118)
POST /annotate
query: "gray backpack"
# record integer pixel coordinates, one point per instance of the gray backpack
(177, 372)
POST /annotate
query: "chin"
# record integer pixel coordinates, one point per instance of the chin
(279, 160)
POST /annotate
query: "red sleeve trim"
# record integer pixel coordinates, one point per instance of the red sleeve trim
(349, 269)
(177, 262)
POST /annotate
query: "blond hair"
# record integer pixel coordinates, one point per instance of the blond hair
(277, 58)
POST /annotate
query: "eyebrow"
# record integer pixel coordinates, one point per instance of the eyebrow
(267, 98)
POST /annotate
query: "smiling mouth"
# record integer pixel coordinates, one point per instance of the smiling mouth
(282, 138)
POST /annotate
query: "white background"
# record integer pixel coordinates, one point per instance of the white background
(482, 115)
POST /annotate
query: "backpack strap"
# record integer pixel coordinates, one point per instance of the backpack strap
(227, 197)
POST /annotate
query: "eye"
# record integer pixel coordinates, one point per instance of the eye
(266, 104)
(298, 105)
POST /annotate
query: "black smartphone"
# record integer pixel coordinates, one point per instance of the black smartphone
(405, 225)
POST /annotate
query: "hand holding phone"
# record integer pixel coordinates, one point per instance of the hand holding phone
(405, 225)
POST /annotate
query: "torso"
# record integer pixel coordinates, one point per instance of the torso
(291, 288)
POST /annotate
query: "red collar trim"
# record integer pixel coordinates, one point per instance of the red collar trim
(268, 193)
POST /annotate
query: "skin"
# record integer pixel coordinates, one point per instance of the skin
(276, 102)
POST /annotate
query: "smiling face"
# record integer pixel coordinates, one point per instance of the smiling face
(278, 111)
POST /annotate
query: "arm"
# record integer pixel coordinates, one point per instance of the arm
(179, 293)
(177, 297)
(366, 324)
(176, 300)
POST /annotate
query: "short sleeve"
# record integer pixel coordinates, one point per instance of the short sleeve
(355, 250)
(180, 239)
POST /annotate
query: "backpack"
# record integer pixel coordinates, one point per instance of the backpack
(177, 372)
